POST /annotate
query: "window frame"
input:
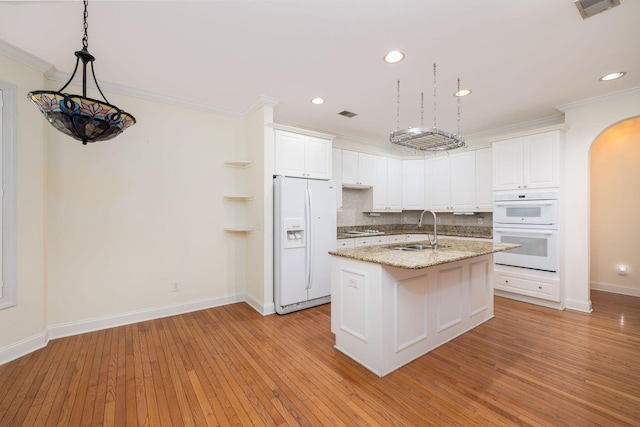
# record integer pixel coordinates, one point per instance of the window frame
(8, 158)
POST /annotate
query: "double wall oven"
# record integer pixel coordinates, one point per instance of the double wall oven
(529, 219)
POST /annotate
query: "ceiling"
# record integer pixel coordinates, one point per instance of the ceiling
(521, 59)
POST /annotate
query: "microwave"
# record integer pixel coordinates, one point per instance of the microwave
(531, 208)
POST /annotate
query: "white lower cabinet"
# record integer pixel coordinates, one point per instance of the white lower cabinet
(396, 238)
(370, 240)
(345, 243)
(540, 285)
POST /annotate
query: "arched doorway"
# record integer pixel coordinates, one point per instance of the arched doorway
(615, 209)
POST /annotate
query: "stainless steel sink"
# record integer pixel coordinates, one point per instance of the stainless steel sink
(418, 247)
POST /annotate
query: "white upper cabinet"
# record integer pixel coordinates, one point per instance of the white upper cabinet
(358, 169)
(531, 161)
(387, 185)
(484, 183)
(460, 182)
(439, 183)
(413, 184)
(463, 181)
(336, 175)
(302, 156)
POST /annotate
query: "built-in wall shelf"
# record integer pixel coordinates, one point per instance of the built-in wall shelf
(238, 197)
(237, 213)
(239, 163)
(238, 229)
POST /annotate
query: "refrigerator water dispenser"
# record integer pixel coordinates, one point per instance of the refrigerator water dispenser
(294, 233)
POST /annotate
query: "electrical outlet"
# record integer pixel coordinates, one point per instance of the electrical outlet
(175, 287)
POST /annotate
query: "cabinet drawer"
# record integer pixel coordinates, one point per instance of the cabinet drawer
(345, 243)
(397, 238)
(533, 288)
(369, 241)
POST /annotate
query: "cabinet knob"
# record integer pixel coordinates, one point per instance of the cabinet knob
(506, 281)
(539, 287)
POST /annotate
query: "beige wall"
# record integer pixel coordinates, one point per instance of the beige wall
(259, 251)
(26, 321)
(615, 208)
(127, 218)
(585, 122)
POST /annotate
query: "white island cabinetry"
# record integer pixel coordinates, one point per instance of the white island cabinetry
(389, 307)
(384, 317)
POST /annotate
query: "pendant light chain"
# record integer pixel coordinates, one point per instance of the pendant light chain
(398, 107)
(85, 37)
(458, 106)
(421, 109)
(435, 102)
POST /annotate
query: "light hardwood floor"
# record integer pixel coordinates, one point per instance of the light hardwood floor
(230, 366)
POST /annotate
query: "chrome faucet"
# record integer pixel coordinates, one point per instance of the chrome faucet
(433, 242)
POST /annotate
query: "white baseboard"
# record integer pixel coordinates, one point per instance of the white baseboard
(36, 342)
(615, 289)
(99, 323)
(264, 309)
(584, 306)
(529, 300)
(22, 348)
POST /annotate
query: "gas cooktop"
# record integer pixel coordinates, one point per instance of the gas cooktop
(362, 232)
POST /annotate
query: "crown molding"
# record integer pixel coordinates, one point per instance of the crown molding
(261, 101)
(26, 58)
(52, 74)
(556, 122)
(598, 99)
(149, 96)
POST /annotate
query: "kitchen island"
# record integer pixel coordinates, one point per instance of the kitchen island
(390, 306)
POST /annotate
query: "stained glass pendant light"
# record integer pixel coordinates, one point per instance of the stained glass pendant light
(82, 118)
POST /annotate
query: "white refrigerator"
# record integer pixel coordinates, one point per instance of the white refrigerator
(304, 231)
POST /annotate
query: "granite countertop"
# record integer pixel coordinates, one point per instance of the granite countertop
(444, 230)
(451, 250)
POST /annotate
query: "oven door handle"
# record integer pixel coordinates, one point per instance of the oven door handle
(526, 203)
(524, 231)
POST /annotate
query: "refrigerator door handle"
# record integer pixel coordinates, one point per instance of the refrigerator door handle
(309, 241)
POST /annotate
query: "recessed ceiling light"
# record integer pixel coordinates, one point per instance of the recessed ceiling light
(462, 92)
(613, 76)
(317, 101)
(393, 57)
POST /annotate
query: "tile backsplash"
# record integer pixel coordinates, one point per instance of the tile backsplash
(352, 215)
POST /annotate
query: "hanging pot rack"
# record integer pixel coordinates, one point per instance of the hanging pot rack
(424, 138)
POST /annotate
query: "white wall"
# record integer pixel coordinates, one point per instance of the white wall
(585, 121)
(24, 325)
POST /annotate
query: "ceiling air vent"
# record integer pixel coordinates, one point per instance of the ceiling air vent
(347, 114)
(588, 8)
